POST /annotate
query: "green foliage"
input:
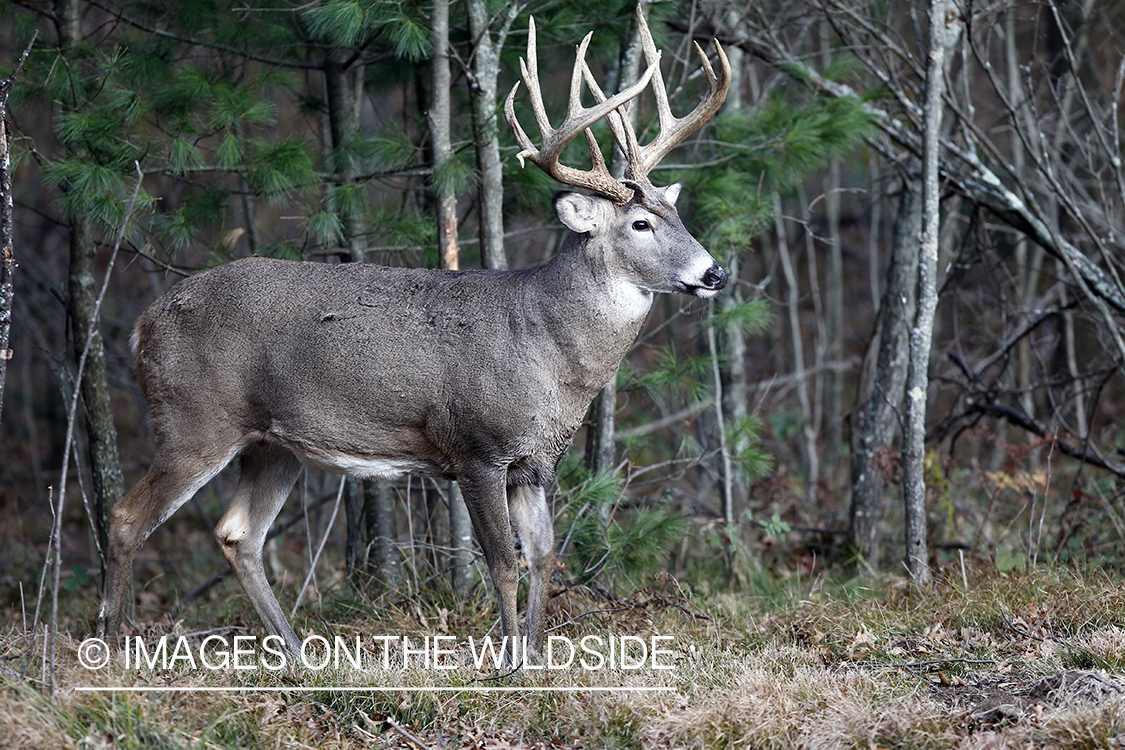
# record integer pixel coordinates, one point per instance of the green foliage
(354, 23)
(184, 156)
(230, 153)
(325, 227)
(393, 149)
(201, 210)
(143, 101)
(767, 150)
(748, 316)
(340, 22)
(80, 578)
(455, 174)
(286, 250)
(747, 454)
(274, 167)
(676, 374)
(622, 547)
(347, 201)
(401, 231)
(528, 189)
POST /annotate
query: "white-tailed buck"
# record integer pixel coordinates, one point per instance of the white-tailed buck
(478, 376)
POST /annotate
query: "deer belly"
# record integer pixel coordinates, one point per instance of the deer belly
(366, 467)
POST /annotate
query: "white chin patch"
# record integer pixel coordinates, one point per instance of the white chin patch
(696, 273)
(704, 293)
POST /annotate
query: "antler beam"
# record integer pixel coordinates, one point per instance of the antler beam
(673, 130)
(578, 119)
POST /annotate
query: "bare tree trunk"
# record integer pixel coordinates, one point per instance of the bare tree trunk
(460, 525)
(1077, 387)
(921, 335)
(873, 264)
(7, 227)
(101, 435)
(355, 541)
(344, 89)
(1024, 286)
(720, 425)
(735, 395)
(834, 348)
(876, 418)
(792, 302)
(7, 255)
(818, 376)
(482, 94)
(381, 515)
(601, 453)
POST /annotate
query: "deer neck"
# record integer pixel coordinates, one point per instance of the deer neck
(593, 310)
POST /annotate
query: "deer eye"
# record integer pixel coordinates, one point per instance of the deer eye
(641, 225)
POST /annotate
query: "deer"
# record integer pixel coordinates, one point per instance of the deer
(479, 376)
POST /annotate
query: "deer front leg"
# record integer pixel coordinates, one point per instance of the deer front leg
(267, 475)
(528, 508)
(487, 502)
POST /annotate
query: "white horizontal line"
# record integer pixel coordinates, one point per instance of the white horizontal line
(356, 689)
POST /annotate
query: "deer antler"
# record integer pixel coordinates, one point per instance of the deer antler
(578, 119)
(673, 130)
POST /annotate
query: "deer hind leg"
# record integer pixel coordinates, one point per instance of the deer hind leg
(174, 477)
(528, 508)
(267, 475)
(486, 500)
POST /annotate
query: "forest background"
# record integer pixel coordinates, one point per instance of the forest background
(756, 439)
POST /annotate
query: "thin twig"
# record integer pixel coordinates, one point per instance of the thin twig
(927, 663)
(320, 547)
(389, 721)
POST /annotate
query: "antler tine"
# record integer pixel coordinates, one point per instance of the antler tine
(620, 125)
(578, 119)
(673, 130)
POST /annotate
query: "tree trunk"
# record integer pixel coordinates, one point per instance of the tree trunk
(735, 392)
(834, 301)
(921, 335)
(344, 89)
(7, 255)
(460, 525)
(381, 515)
(876, 420)
(7, 228)
(101, 435)
(792, 301)
(735, 396)
(482, 93)
(601, 453)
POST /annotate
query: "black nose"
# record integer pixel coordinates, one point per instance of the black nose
(715, 278)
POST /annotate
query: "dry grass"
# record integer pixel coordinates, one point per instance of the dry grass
(1013, 661)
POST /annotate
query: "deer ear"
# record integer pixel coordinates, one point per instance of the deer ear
(672, 192)
(580, 213)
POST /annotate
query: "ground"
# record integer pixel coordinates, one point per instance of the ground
(981, 660)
